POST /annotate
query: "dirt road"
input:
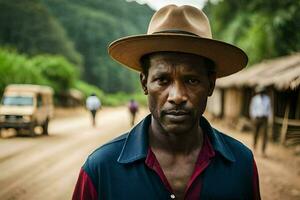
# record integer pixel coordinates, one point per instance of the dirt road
(46, 168)
(279, 171)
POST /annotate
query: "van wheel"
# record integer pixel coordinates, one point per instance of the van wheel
(31, 129)
(17, 131)
(45, 127)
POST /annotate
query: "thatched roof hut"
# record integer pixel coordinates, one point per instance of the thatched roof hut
(283, 73)
(282, 78)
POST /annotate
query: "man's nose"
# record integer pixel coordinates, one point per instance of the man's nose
(177, 94)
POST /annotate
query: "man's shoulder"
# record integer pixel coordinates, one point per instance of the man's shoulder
(108, 152)
(103, 159)
(236, 147)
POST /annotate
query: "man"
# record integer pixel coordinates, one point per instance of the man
(260, 110)
(133, 108)
(93, 104)
(173, 153)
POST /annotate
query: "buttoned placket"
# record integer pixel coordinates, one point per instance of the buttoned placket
(202, 162)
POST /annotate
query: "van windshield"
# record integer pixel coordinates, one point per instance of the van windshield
(17, 101)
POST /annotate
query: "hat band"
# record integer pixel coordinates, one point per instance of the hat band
(176, 31)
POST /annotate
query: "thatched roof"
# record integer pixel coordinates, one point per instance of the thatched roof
(283, 73)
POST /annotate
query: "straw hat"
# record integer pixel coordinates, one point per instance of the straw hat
(183, 29)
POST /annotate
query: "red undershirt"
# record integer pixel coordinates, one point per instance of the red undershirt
(193, 188)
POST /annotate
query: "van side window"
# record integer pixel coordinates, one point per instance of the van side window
(39, 100)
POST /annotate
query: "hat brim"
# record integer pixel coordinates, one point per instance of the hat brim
(129, 50)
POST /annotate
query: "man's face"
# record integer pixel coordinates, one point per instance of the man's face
(177, 85)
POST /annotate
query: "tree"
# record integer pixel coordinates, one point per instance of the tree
(28, 26)
(264, 29)
(92, 25)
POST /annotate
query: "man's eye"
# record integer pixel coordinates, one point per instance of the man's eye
(193, 81)
(162, 80)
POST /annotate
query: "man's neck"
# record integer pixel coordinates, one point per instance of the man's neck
(177, 144)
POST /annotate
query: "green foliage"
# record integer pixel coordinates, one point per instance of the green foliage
(88, 89)
(60, 73)
(54, 71)
(264, 29)
(140, 98)
(29, 27)
(77, 30)
(16, 68)
(92, 25)
(122, 98)
(116, 99)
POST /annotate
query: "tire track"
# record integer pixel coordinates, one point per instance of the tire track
(47, 167)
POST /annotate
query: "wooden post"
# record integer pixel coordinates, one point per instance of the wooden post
(271, 118)
(297, 115)
(284, 126)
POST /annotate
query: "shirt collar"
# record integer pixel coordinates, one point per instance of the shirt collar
(136, 143)
(217, 140)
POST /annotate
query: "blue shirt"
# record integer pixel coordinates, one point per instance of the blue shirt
(117, 170)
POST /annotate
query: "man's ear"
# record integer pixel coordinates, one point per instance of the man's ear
(143, 80)
(212, 81)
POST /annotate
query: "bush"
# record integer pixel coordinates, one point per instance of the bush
(16, 68)
(88, 89)
(116, 99)
(56, 72)
(122, 98)
(60, 73)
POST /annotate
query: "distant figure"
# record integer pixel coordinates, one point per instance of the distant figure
(93, 103)
(133, 108)
(260, 109)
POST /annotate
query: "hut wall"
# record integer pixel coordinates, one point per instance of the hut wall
(246, 99)
(214, 103)
(282, 100)
(232, 103)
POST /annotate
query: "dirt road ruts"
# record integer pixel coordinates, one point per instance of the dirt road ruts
(46, 167)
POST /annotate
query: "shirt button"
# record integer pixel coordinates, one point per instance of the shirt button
(172, 196)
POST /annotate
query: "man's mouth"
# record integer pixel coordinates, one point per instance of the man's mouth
(176, 116)
(176, 112)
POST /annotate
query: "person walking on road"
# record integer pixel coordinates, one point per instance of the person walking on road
(93, 104)
(133, 108)
(260, 110)
(174, 152)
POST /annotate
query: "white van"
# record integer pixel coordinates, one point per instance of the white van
(26, 106)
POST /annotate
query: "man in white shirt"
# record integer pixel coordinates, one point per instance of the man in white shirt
(260, 110)
(93, 103)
